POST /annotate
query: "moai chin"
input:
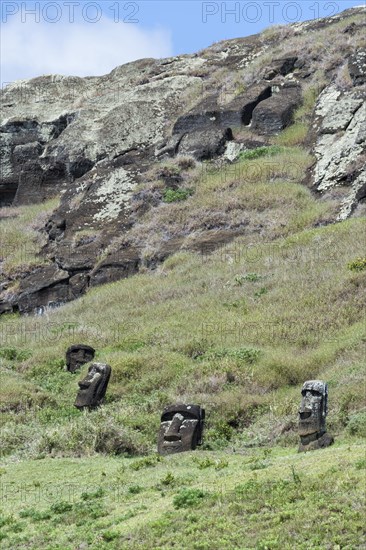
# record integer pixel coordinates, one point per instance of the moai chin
(312, 416)
(93, 387)
(181, 429)
(77, 355)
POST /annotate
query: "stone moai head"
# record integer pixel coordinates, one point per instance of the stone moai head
(78, 355)
(93, 387)
(312, 415)
(181, 428)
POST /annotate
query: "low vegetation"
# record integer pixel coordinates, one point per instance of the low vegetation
(263, 293)
(21, 237)
(263, 500)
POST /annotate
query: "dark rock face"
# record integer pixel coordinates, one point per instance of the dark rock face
(78, 355)
(45, 287)
(206, 144)
(91, 141)
(93, 387)
(312, 416)
(282, 66)
(275, 113)
(114, 269)
(208, 114)
(55, 228)
(27, 175)
(181, 429)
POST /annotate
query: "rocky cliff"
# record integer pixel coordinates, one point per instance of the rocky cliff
(111, 147)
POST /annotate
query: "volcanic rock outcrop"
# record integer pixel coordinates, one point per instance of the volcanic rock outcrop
(92, 142)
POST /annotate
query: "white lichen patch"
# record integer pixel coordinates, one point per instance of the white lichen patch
(232, 150)
(115, 192)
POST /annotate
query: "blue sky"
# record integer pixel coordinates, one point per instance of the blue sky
(91, 38)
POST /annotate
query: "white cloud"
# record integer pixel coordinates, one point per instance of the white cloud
(77, 49)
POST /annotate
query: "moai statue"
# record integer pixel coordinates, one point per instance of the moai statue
(181, 429)
(312, 414)
(93, 387)
(78, 355)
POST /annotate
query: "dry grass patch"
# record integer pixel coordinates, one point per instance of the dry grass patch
(21, 236)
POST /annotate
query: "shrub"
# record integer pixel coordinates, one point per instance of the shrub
(171, 195)
(169, 479)
(110, 535)
(222, 431)
(251, 277)
(34, 514)
(186, 163)
(146, 462)
(96, 494)
(359, 264)
(187, 498)
(257, 464)
(61, 507)
(357, 424)
(260, 292)
(203, 463)
(113, 440)
(260, 152)
(12, 354)
(361, 464)
(135, 489)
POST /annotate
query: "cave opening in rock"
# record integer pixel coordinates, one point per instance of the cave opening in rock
(248, 109)
(7, 196)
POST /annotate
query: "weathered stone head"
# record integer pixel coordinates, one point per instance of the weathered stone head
(312, 415)
(180, 429)
(93, 387)
(78, 355)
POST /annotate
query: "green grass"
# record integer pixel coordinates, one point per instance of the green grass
(198, 329)
(234, 327)
(259, 152)
(293, 135)
(278, 499)
(171, 195)
(21, 238)
(264, 191)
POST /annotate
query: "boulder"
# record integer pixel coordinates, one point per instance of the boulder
(43, 287)
(340, 146)
(275, 113)
(208, 114)
(357, 67)
(205, 144)
(280, 66)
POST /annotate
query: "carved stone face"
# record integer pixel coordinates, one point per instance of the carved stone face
(313, 410)
(93, 387)
(78, 355)
(180, 429)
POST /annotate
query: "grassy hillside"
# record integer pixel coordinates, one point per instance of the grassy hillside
(236, 328)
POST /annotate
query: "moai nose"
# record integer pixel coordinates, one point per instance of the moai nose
(172, 433)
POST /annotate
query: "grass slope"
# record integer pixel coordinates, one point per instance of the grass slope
(263, 499)
(236, 329)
